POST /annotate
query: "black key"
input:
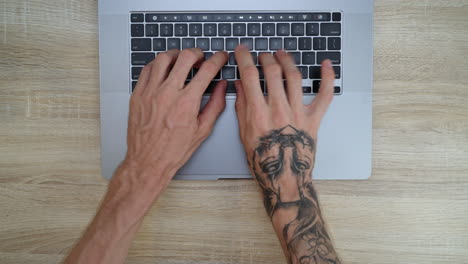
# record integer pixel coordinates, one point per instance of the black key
(151, 30)
(320, 43)
(209, 30)
(142, 58)
(330, 29)
(304, 71)
(159, 44)
(336, 17)
(138, 30)
(210, 88)
(229, 72)
(290, 43)
(218, 76)
(208, 55)
(134, 83)
(315, 72)
(253, 29)
(203, 43)
(239, 29)
(232, 58)
(231, 43)
(335, 57)
(282, 29)
(188, 43)
(181, 30)
(307, 89)
(173, 43)
(308, 58)
(217, 44)
(305, 43)
(261, 43)
(297, 29)
(261, 75)
(268, 29)
(224, 29)
(334, 43)
(195, 30)
(136, 71)
(247, 42)
(316, 88)
(337, 89)
(137, 17)
(296, 56)
(312, 29)
(254, 57)
(141, 44)
(166, 30)
(231, 88)
(276, 43)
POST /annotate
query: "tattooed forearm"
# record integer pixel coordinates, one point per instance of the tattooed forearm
(282, 165)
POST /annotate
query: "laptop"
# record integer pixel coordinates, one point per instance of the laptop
(132, 33)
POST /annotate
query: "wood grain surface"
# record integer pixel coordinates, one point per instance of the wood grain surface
(414, 209)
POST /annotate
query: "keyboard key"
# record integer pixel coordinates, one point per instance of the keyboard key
(166, 30)
(138, 30)
(181, 30)
(239, 29)
(334, 43)
(282, 29)
(330, 29)
(320, 17)
(229, 72)
(261, 43)
(152, 18)
(320, 43)
(203, 43)
(159, 44)
(247, 42)
(217, 44)
(224, 29)
(335, 57)
(307, 89)
(136, 71)
(296, 57)
(276, 43)
(209, 30)
(337, 90)
(305, 43)
(152, 30)
(254, 57)
(315, 72)
(312, 29)
(261, 75)
(308, 58)
(231, 43)
(141, 44)
(137, 17)
(195, 30)
(297, 29)
(336, 17)
(316, 88)
(253, 29)
(232, 58)
(231, 88)
(337, 70)
(290, 43)
(134, 83)
(208, 55)
(268, 29)
(304, 71)
(188, 43)
(142, 58)
(173, 43)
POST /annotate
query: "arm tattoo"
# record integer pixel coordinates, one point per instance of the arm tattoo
(282, 165)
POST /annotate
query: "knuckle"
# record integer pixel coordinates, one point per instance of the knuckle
(273, 69)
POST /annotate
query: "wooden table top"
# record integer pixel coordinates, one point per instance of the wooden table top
(414, 209)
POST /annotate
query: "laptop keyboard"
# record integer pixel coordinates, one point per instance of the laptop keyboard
(309, 37)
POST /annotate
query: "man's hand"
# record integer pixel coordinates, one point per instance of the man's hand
(279, 135)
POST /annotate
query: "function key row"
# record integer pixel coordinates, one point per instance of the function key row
(233, 17)
(236, 29)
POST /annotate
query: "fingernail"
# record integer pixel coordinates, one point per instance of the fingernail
(327, 64)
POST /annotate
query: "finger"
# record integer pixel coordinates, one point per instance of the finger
(240, 104)
(143, 79)
(213, 108)
(320, 104)
(249, 76)
(274, 80)
(186, 60)
(206, 74)
(293, 79)
(160, 68)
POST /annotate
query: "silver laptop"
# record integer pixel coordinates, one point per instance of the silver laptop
(133, 32)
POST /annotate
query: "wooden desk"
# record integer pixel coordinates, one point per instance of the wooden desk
(414, 209)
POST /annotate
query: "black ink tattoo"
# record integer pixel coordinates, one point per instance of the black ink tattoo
(282, 164)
